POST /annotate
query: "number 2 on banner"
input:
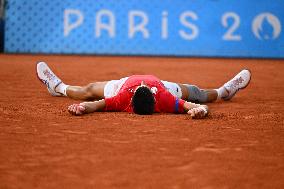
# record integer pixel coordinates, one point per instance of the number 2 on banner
(229, 35)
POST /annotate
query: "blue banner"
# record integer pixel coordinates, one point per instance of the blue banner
(236, 28)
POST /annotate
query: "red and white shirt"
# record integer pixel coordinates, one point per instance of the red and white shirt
(165, 101)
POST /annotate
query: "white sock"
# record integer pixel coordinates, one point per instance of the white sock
(222, 92)
(61, 88)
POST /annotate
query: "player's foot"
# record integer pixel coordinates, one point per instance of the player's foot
(240, 81)
(46, 76)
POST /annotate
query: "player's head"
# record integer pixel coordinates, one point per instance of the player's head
(143, 100)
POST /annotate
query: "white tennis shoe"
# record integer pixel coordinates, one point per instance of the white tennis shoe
(240, 81)
(47, 77)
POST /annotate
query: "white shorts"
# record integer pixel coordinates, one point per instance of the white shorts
(173, 88)
(112, 87)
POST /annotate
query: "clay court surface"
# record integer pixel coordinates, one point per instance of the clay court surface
(239, 145)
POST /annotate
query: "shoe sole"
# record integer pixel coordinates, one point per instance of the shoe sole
(249, 78)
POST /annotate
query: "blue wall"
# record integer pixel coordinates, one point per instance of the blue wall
(236, 28)
(1, 35)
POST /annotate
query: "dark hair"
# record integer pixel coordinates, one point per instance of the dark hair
(143, 101)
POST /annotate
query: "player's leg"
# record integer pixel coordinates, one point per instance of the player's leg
(195, 94)
(57, 88)
(225, 92)
(92, 91)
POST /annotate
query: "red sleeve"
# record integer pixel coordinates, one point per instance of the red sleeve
(112, 104)
(118, 103)
(168, 103)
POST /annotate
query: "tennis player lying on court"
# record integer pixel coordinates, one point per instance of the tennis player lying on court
(141, 94)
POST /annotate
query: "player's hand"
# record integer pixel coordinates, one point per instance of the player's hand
(199, 112)
(77, 109)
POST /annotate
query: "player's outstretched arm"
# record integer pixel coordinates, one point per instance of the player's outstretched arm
(196, 111)
(86, 107)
